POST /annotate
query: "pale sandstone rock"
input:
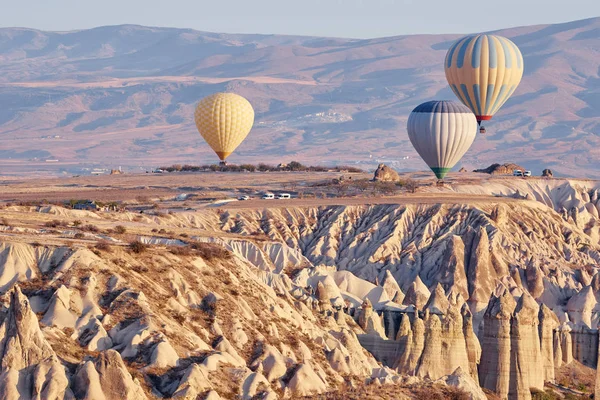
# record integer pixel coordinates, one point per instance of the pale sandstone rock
(480, 272)
(430, 364)
(106, 378)
(404, 339)
(437, 303)
(194, 382)
(392, 288)
(417, 294)
(163, 355)
(548, 323)
(526, 367)
(369, 320)
(418, 331)
(472, 344)
(494, 370)
(566, 343)
(463, 380)
(385, 174)
(22, 343)
(306, 382)
(454, 346)
(59, 313)
(451, 273)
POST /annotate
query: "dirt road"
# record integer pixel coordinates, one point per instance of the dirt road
(420, 198)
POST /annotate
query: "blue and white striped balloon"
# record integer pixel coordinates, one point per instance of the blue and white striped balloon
(441, 132)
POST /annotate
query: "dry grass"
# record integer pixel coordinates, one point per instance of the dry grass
(393, 392)
(577, 376)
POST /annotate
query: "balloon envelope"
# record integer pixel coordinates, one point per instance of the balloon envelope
(224, 120)
(441, 132)
(483, 71)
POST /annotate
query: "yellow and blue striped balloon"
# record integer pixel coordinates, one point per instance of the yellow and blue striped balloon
(483, 71)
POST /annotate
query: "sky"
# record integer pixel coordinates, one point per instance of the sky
(338, 18)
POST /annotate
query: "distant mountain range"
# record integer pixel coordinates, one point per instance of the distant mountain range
(124, 96)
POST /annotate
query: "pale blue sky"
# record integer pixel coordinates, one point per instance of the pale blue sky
(344, 18)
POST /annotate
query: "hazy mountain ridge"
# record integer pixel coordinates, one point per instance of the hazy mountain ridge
(125, 95)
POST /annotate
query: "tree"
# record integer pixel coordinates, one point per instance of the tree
(296, 166)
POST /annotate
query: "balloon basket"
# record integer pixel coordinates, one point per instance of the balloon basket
(440, 182)
(223, 164)
(482, 129)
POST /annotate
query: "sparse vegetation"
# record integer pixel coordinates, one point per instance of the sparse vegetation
(293, 166)
(103, 246)
(211, 251)
(90, 228)
(120, 229)
(137, 247)
(55, 223)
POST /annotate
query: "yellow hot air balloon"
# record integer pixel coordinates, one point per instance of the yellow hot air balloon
(224, 120)
(483, 71)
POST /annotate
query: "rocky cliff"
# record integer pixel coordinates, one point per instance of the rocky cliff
(283, 303)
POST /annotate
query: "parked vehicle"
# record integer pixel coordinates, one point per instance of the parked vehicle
(283, 196)
(517, 172)
(244, 198)
(268, 196)
(527, 173)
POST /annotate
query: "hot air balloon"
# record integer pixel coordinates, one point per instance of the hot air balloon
(224, 120)
(441, 132)
(483, 72)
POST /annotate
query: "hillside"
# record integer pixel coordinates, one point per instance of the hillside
(365, 301)
(124, 95)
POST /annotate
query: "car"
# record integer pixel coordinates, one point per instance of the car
(283, 196)
(527, 173)
(517, 172)
(244, 198)
(158, 171)
(268, 196)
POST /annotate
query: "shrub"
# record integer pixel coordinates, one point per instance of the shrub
(409, 184)
(79, 235)
(248, 167)
(53, 224)
(537, 394)
(91, 228)
(211, 251)
(181, 250)
(76, 223)
(120, 229)
(103, 245)
(137, 247)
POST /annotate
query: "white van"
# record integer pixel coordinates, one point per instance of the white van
(268, 196)
(283, 196)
